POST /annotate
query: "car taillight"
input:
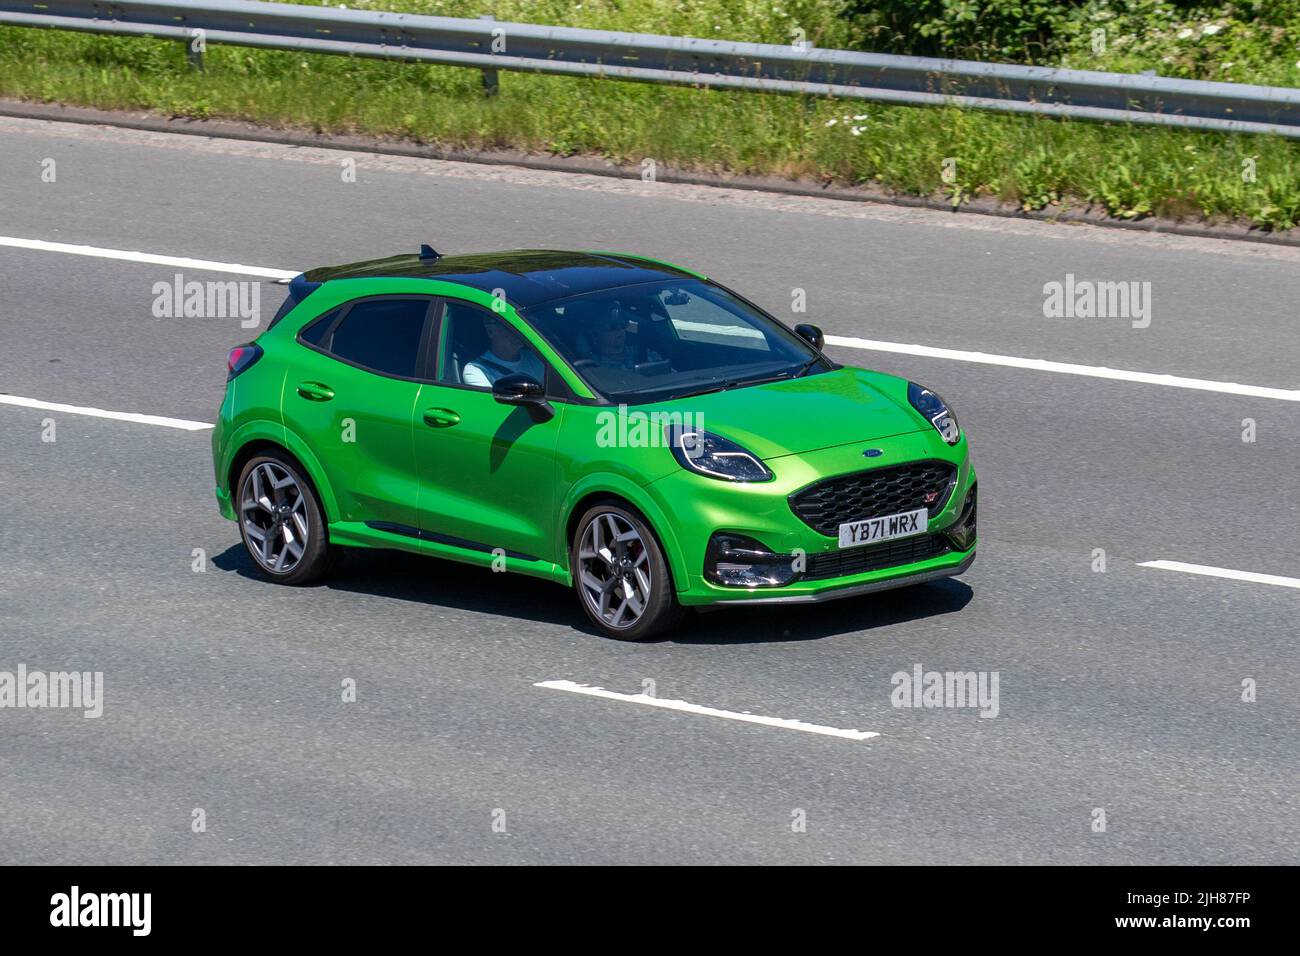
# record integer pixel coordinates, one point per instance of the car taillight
(240, 358)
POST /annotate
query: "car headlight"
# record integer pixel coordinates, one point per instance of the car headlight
(936, 412)
(714, 456)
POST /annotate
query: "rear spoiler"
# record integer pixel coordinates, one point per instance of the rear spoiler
(299, 288)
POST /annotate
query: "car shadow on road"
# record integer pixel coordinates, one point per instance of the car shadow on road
(761, 624)
(438, 583)
(448, 584)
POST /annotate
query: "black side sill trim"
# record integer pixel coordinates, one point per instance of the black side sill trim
(409, 532)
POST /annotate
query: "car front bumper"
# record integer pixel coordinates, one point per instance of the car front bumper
(701, 508)
(896, 578)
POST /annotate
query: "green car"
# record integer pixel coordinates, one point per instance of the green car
(619, 425)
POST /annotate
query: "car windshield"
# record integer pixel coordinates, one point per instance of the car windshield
(661, 340)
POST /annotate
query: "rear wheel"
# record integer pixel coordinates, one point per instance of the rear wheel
(621, 576)
(281, 522)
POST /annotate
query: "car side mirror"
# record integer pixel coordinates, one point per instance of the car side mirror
(520, 389)
(812, 334)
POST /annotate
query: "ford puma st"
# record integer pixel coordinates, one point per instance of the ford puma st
(619, 425)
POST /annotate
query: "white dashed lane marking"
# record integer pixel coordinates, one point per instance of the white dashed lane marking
(687, 708)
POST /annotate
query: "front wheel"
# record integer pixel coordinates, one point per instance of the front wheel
(621, 576)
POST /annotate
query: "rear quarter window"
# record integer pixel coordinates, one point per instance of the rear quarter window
(314, 334)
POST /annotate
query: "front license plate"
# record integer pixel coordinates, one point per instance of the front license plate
(871, 530)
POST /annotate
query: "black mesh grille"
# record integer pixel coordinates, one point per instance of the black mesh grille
(874, 557)
(874, 494)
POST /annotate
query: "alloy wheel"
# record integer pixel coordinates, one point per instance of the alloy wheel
(614, 570)
(273, 514)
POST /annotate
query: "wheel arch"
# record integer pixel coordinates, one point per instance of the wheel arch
(289, 444)
(621, 491)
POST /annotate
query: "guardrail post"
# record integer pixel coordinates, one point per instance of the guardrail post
(491, 79)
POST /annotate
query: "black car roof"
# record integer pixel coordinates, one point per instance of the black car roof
(527, 276)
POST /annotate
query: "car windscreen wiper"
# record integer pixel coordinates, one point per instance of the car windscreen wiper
(704, 391)
(806, 367)
(746, 382)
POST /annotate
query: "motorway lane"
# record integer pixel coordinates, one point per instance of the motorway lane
(1221, 309)
(1118, 690)
(1201, 495)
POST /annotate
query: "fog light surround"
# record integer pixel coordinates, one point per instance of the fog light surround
(962, 533)
(739, 561)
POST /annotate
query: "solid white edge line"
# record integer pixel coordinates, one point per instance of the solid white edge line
(178, 262)
(1254, 577)
(1067, 368)
(684, 707)
(104, 413)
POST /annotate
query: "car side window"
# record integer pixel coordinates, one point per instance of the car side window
(381, 335)
(479, 347)
(314, 333)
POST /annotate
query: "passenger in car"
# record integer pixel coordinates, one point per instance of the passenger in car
(609, 344)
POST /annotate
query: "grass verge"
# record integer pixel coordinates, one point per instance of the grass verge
(1130, 172)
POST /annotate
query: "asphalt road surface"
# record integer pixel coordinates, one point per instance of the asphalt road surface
(1120, 691)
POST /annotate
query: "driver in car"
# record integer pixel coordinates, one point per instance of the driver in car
(507, 354)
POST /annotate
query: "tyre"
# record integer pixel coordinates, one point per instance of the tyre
(621, 576)
(281, 522)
